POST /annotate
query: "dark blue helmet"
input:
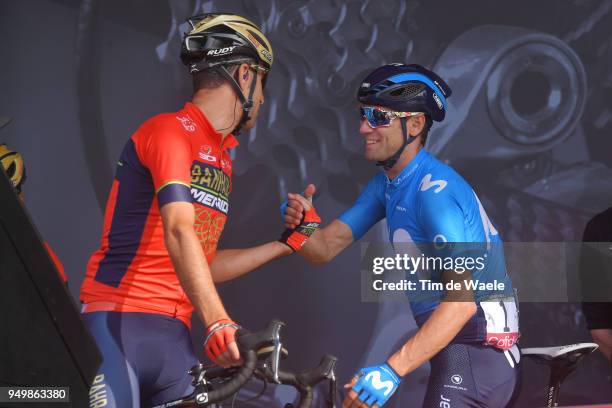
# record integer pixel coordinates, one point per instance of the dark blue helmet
(406, 88)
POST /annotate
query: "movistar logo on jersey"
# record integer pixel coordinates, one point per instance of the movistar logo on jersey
(427, 183)
(374, 378)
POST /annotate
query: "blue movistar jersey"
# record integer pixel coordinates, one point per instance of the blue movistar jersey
(429, 202)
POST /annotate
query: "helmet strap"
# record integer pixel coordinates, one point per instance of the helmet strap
(390, 162)
(247, 103)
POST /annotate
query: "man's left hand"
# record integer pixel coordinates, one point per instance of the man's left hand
(371, 387)
(296, 238)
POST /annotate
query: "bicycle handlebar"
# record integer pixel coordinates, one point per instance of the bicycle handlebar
(306, 380)
(248, 344)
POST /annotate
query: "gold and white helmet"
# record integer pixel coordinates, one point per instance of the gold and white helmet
(223, 39)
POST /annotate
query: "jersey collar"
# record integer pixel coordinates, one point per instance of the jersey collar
(228, 142)
(408, 170)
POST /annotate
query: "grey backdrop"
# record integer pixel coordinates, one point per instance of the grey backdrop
(528, 125)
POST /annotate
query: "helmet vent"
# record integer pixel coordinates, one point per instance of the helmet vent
(407, 91)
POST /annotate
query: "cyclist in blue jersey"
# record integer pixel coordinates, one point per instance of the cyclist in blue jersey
(470, 344)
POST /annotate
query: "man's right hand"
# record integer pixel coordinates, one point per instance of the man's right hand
(220, 343)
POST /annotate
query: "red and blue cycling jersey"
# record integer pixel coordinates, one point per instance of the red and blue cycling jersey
(172, 157)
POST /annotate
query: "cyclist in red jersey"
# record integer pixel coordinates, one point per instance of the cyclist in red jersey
(165, 213)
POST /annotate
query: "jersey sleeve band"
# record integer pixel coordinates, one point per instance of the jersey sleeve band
(173, 191)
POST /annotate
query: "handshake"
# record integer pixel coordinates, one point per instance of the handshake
(300, 217)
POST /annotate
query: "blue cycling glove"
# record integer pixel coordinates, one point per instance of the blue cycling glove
(376, 384)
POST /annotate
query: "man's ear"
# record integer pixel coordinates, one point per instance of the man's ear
(244, 77)
(416, 125)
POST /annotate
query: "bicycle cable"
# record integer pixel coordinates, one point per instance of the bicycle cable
(236, 403)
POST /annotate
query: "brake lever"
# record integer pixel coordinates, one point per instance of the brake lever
(333, 389)
(333, 392)
(275, 355)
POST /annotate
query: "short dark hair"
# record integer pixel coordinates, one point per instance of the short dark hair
(212, 78)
